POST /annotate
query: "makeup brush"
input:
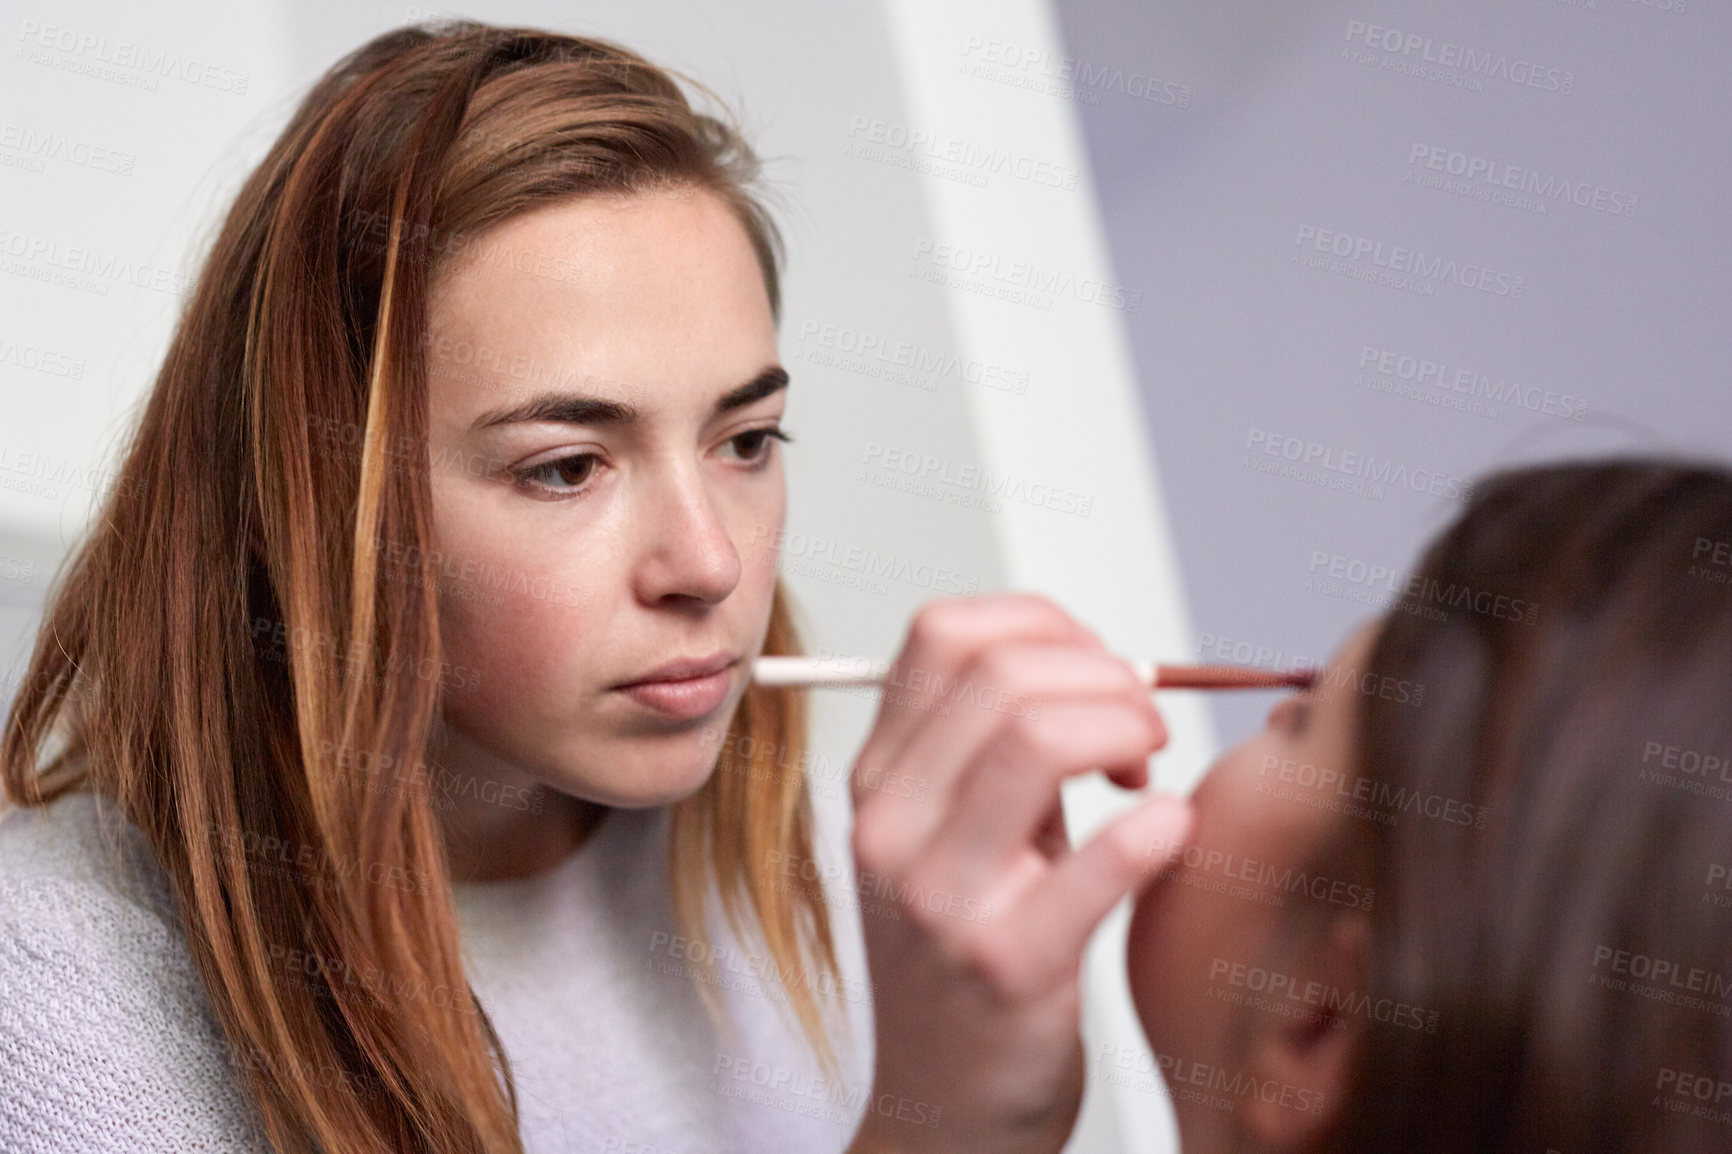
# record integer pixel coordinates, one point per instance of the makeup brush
(822, 671)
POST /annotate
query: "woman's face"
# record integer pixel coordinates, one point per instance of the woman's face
(1202, 938)
(603, 391)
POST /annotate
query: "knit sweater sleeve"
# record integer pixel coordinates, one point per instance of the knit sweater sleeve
(107, 1043)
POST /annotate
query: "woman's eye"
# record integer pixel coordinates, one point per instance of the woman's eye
(567, 476)
(754, 444)
(564, 474)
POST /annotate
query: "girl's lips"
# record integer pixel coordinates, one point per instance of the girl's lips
(688, 697)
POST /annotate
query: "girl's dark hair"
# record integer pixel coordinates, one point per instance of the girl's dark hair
(1573, 631)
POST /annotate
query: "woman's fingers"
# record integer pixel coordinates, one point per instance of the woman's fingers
(937, 708)
(1011, 787)
(1021, 729)
(1055, 917)
(958, 817)
(1052, 839)
(942, 637)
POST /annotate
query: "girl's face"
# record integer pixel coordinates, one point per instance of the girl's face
(1205, 940)
(604, 396)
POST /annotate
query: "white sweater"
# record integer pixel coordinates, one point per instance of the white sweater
(108, 1044)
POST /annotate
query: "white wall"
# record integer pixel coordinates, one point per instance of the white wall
(122, 131)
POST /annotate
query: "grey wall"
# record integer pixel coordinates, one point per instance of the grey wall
(1607, 294)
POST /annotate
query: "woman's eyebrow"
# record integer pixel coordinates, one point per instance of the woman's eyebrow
(766, 382)
(577, 409)
(570, 408)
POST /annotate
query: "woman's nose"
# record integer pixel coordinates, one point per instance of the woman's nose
(687, 552)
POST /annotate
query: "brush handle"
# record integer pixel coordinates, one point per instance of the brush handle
(828, 671)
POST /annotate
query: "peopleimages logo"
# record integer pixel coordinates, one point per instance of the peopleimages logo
(966, 154)
(41, 145)
(1476, 170)
(94, 50)
(860, 347)
(40, 359)
(1413, 47)
(929, 471)
(866, 560)
(1086, 79)
(1329, 570)
(1385, 471)
(1410, 262)
(1023, 274)
(1503, 390)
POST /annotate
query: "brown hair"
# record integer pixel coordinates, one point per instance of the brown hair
(147, 685)
(1592, 851)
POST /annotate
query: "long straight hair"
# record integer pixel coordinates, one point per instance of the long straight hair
(1578, 696)
(226, 657)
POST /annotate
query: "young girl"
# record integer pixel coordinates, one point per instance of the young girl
(1477, 877)
(389, 775)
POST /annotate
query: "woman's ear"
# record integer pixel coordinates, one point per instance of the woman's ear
(1302, 1062)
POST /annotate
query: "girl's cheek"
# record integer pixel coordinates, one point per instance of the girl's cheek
(519, 670)
(1143, 961)
(529, 635)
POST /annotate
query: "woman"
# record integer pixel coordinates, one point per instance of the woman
(406, 669)
(1469, 892)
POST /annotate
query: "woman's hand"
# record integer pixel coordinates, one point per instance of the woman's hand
(976, 911)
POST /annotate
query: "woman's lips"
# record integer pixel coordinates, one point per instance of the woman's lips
(687, 697)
